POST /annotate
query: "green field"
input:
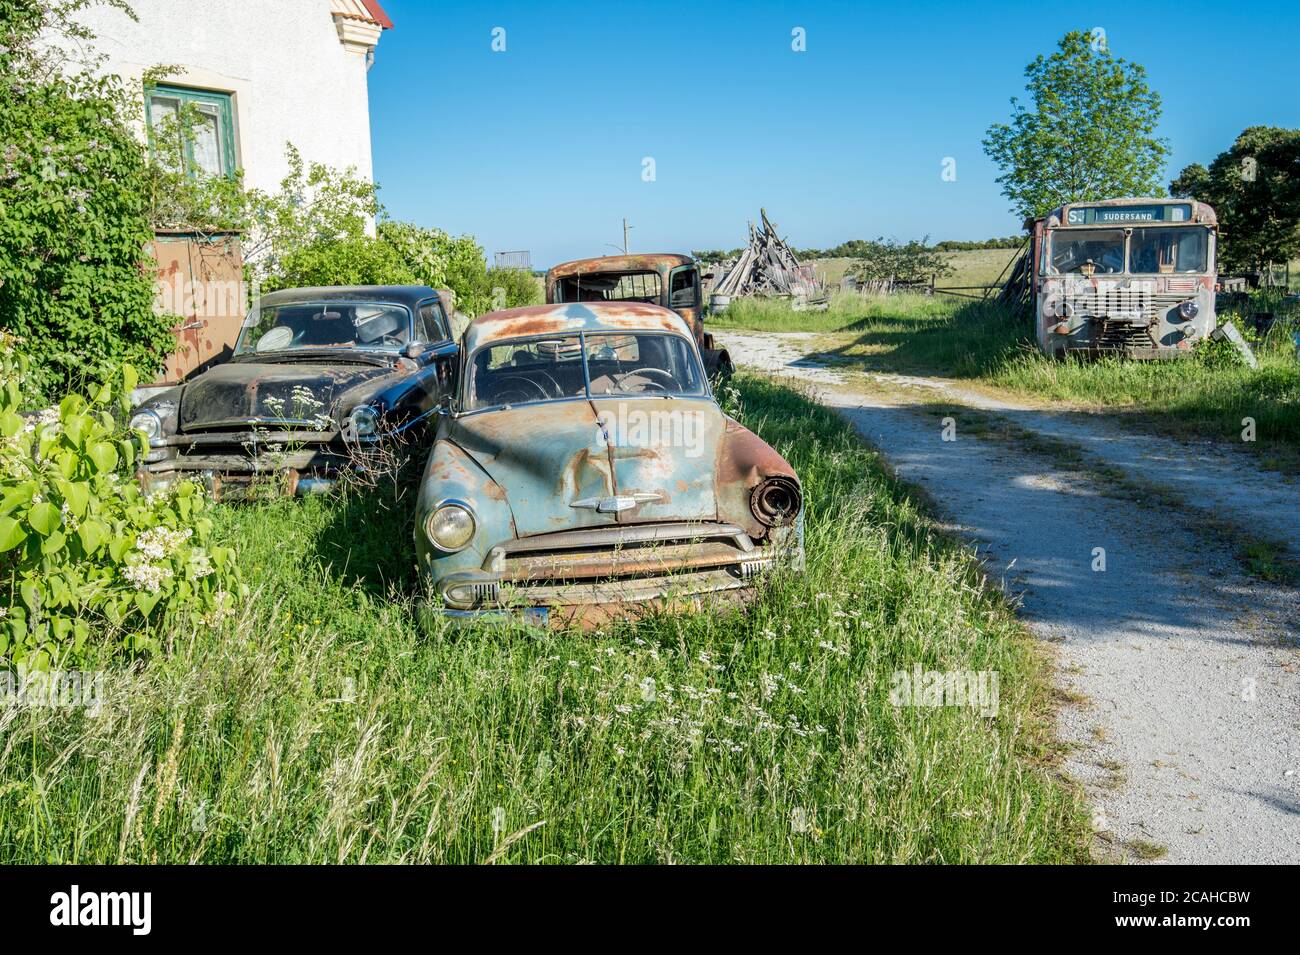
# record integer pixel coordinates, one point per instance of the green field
(972, 267)
(1207, 395)
(325, 724)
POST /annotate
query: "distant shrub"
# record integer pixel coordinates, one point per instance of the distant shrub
(512, 288)
(884, 264)
(960, 245)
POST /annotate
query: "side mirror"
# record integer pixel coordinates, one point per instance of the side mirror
(413, 350)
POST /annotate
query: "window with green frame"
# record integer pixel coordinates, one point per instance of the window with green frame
(192, 130)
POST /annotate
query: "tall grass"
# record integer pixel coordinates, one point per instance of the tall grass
(847, 311)
(1207, 395)
(326, 725)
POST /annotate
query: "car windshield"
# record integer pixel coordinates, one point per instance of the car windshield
(279, 328)
(610, 287)
(1164, 251)
(1090, 251)
(521, 371)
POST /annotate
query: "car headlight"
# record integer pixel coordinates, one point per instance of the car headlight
(450, 526)
(1188, 309)
(776, 501)
(363, 422)
(148, 422)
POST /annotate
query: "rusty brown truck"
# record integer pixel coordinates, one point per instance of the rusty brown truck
(655, 278)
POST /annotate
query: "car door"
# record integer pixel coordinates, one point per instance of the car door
(433, 321)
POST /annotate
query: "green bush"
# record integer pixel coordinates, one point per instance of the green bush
(84, 554)
(74, 218)
(357, 261)
(401, 253)
(514, 287)
(884, 263)
(443, 261)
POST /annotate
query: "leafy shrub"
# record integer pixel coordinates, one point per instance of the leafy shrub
(883, 264)
(83, 552)
(333, 249)
(443, 261)
(315, 205)
(74, 219)
(514, 287)
(358, 261)
(1218, 353)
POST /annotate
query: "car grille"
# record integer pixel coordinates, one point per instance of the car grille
(626, 551)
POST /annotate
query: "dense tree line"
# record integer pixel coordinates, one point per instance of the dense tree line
(1254, 187)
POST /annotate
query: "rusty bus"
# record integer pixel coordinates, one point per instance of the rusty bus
(657, 278)
(1133, 277)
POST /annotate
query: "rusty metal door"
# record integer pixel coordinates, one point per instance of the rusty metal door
(200, 279)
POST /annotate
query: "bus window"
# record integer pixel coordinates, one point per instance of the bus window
(1162, 251)
(1075, 251)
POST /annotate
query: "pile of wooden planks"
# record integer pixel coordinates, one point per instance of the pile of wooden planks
(768, 266)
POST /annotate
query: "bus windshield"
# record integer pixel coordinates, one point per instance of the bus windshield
(1089, 251)
(1162, 251)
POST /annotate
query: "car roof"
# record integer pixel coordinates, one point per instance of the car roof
(396, 294)
(643, 262)
(571, 318)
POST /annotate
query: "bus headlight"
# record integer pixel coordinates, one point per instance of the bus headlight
(1189, 310)
(450, 527)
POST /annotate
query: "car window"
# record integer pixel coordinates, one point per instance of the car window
(611, 287)
(1161, 251)
(642, 365)
(1088, 252)
(549, 369)
(519, 372)
(433, 324)
(324, 325)
(682, 288)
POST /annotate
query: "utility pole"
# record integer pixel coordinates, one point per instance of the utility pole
(626, 228)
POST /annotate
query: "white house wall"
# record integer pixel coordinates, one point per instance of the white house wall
(291, 78)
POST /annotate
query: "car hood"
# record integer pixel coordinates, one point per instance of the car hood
(566, 464)
(239, 392)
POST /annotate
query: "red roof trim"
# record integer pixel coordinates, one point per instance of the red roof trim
(377, 12)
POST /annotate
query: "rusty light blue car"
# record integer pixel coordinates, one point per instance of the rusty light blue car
(584, 471)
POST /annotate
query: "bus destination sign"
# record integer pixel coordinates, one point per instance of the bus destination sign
(1102, 215)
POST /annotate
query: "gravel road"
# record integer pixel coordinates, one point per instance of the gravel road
(1181, 673)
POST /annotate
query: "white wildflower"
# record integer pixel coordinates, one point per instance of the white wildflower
(145, 576)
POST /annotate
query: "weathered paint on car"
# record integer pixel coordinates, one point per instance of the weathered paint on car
(241, 420)
(578, 527)
(662, 264)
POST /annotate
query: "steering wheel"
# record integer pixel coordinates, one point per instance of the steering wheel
(649, 372)
(512, 390)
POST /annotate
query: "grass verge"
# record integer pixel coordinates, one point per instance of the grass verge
(1208, 396)
(323, 725)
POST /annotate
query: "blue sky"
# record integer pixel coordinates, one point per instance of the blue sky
(540, 147)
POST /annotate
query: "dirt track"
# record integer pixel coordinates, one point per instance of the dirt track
(1182, 672)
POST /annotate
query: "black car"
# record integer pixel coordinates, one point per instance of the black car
(321, 379)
